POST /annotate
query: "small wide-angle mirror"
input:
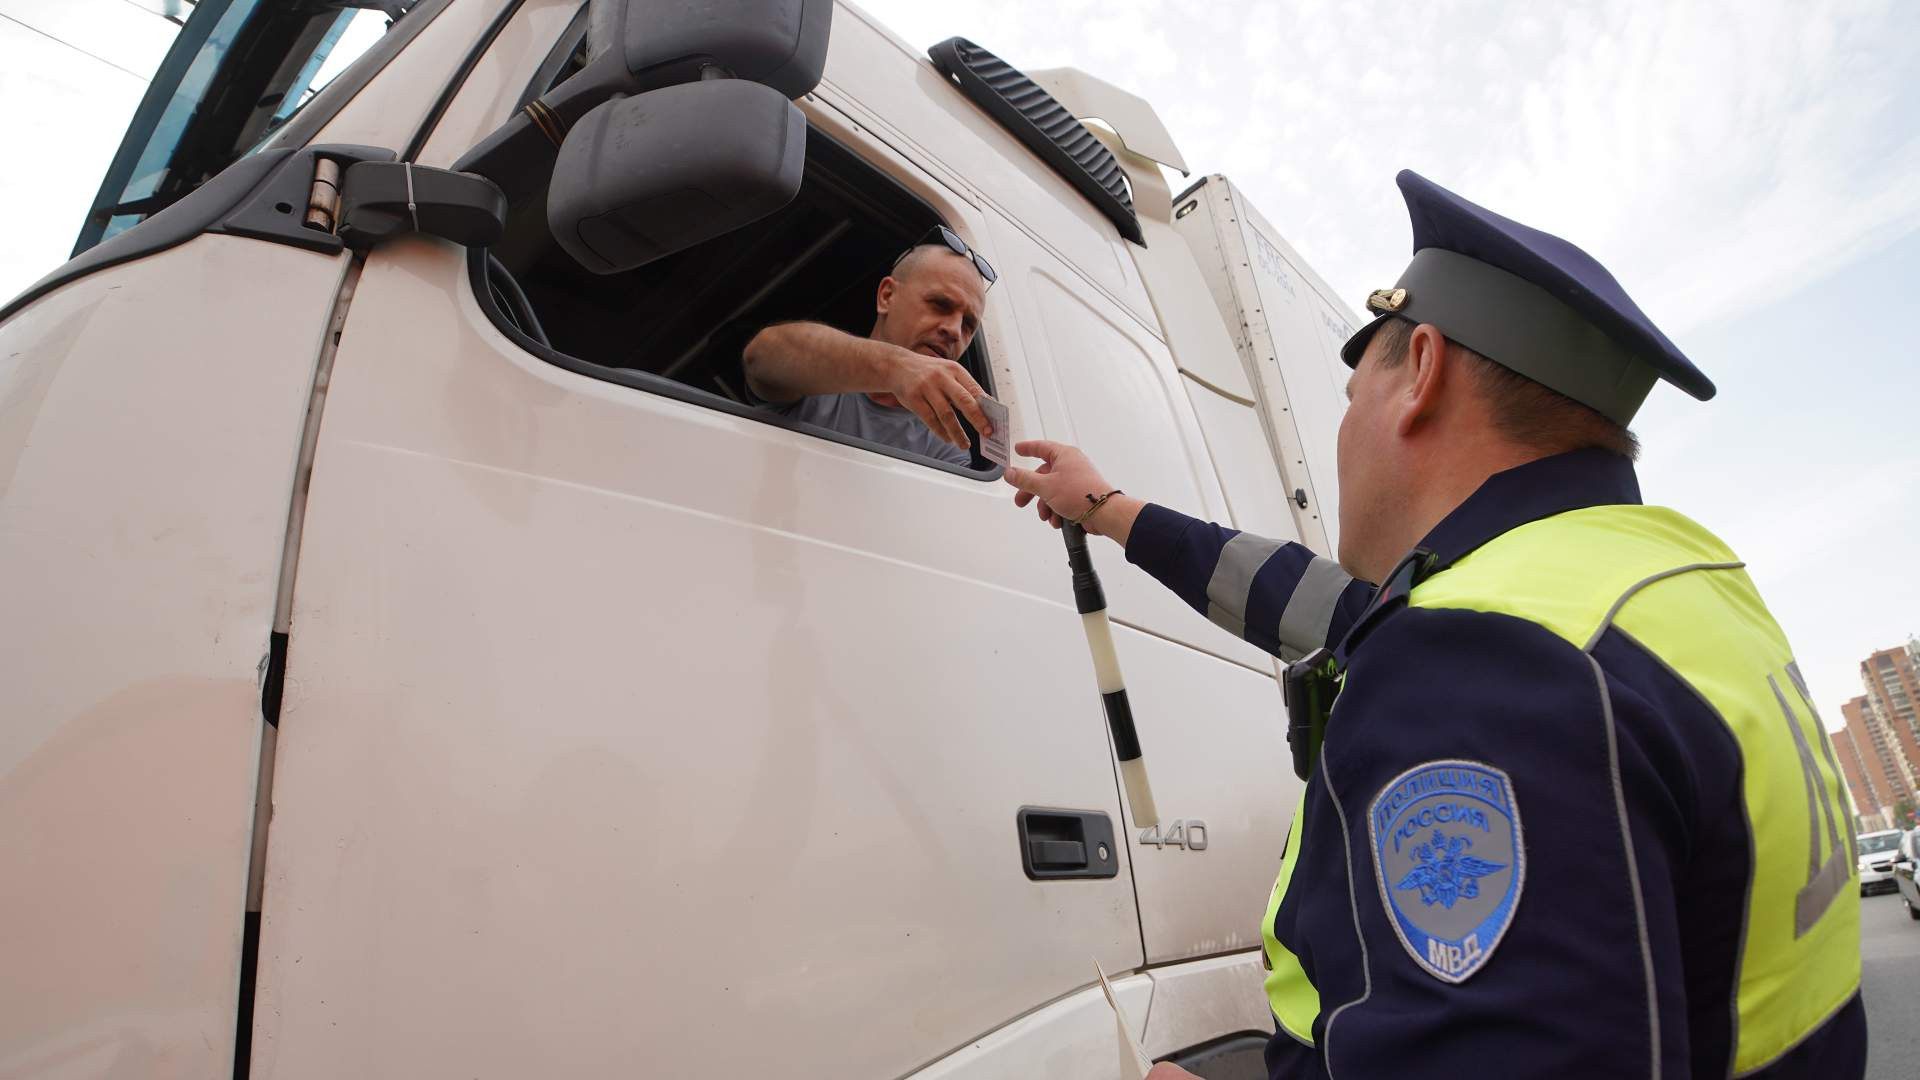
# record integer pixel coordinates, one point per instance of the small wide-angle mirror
(635, 46)
(647, 44)
(643, 177)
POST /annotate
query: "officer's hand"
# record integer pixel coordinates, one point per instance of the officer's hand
(933, 388)
(1061, 485)
(1167, 1070)
(1062, 482)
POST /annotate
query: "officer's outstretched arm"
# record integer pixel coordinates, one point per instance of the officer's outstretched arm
(1486, 879)
(1278, 595)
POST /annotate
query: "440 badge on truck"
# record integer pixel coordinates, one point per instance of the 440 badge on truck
(1189, 833)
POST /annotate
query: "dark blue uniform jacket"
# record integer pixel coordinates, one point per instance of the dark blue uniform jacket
(1576, 988)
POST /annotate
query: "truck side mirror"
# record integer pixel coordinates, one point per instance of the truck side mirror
(640, 178)
(635, 46)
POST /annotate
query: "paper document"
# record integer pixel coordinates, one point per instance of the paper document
(1133, 1060)
(997, 447)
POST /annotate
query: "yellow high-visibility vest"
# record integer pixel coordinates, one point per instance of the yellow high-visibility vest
(1684, 598)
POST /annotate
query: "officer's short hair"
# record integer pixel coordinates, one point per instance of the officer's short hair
(1524, 411)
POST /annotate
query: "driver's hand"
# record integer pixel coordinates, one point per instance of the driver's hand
(934, 388)
(1167, 1070)
(1061, 484)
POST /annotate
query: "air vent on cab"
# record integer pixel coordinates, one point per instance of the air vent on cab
(1034, 117)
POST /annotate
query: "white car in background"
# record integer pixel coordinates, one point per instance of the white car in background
(1877, 851)
(1904, 866)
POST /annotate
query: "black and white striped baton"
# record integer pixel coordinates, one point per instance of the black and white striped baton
(1091, 600)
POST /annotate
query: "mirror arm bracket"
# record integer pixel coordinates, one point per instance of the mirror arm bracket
(383, 199)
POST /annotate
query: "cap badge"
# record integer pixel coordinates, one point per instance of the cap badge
(1386, 300)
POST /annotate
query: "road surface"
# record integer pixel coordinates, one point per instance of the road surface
(1890, 979)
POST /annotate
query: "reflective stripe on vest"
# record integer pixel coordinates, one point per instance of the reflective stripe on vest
(1295, 1002)
(1679, 593)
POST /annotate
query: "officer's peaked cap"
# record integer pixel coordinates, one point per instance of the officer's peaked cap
(1528, 301)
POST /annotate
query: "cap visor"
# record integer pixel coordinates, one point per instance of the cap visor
(1357, 344)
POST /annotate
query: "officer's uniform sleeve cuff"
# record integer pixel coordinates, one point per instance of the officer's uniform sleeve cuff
(1154, 543)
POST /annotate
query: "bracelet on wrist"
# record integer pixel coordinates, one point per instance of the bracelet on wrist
(1095, 504)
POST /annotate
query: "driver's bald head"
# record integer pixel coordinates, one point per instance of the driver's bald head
(920, 256)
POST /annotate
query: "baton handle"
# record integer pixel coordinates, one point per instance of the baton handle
(1091, 600)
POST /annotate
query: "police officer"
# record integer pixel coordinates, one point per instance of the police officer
(1573, 812)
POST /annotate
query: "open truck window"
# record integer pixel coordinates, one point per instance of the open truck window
(685, 318)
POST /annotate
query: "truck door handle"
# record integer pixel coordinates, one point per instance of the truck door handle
(1066, 844)
(1061, 854)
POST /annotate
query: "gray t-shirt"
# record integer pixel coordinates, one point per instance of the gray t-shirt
(863, 418)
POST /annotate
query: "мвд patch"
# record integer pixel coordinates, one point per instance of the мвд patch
(1448, 855)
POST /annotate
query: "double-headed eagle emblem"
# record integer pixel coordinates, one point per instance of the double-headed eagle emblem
(1444, 875)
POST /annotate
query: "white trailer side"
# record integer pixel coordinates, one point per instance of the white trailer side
(1288, 327)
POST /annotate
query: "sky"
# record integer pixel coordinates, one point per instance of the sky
(1749, 171)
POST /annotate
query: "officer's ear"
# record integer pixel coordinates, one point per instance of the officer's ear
(883, 296)
(1427, 371)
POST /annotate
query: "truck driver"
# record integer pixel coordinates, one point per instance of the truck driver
(902, 383)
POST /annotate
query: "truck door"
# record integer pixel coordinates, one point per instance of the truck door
(630, 730)
(1209, 723)
(1101, 374)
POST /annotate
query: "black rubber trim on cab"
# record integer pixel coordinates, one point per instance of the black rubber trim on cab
(242, 200)
(1033, 116)
(243, 1013)
(667, 388)
(519, 309)
(274, 684)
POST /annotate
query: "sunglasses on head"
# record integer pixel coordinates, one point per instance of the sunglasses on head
(940, 234)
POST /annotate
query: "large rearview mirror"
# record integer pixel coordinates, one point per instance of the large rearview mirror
(634, 46)
(643, 177)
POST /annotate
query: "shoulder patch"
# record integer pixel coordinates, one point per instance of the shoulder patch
(1448, 855)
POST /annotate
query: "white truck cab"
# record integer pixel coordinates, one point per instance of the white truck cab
(422, 660)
